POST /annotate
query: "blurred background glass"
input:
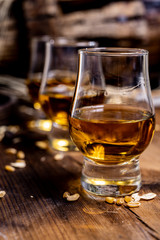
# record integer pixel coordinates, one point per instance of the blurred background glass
(57, 87)
(33, 82)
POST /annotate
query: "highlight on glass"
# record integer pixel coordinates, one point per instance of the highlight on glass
(112, 118)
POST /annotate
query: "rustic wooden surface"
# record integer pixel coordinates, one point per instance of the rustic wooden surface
(34, 208)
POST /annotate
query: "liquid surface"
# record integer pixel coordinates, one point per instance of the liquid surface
(111, 133)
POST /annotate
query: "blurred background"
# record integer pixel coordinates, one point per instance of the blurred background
(111, 23)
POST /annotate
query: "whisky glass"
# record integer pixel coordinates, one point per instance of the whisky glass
(56, 90)
(112, 118)
(37, 58)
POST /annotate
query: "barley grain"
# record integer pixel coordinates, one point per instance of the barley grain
(20, 154)
(19, 164)
(66, 194)
(9, 168)
(120, 201)
(148, 196)
(133, 204)
(110, 200)
(11, 150)
(2, 194)
(71, 198)
(128, 199)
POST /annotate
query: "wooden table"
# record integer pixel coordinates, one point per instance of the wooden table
(33, 207)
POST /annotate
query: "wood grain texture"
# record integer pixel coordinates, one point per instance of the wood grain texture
(34, 208)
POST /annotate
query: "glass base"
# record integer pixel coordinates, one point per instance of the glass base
(60, 140)
(111, 180)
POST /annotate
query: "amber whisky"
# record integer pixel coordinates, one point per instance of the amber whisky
(111, 134)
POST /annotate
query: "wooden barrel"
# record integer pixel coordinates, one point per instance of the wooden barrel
(8, 33)
(39, 16)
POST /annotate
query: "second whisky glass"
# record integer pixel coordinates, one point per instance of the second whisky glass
(57, 88)
(112, 118)
(37, 58)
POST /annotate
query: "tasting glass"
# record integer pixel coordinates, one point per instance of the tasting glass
(37, 58)
(112, 118)
(56, 91)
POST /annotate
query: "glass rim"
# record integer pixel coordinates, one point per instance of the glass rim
(42, 38)
(68, 42)
(113, 51)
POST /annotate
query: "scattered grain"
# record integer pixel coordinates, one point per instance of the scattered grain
(13, 129)
(3, 129)
(11, 150)
(58, 156)
(110, 200)
(9, 168)
(148, 196)
(133, 204)
(2, 194)
(128, 199)
(20, 154)
(120, 201)
(20, 160)
(16, 140)
(66, 194)
(19, 164)
(135, 197)
(71, 198)
(2, 132)
(42, 159)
